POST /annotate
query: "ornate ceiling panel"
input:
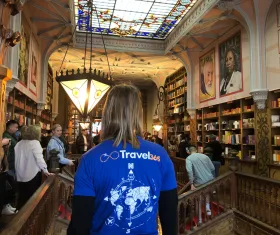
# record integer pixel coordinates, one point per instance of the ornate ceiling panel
(139, 68)
(134, 18)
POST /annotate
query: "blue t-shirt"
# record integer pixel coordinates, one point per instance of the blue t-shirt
(126, 184)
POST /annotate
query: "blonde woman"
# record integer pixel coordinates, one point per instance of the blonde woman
(29, 162)
(56, 143)
(122, 183)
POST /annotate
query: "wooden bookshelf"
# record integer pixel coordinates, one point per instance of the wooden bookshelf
(233, 125)
(274, 107)
(178, 121)
(23, 109)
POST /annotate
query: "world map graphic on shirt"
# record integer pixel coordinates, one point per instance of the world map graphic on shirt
(131, 200)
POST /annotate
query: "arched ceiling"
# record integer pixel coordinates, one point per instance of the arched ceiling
(139, 68)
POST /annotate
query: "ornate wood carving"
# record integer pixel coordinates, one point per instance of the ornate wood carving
(7, 36)
(263, 141)
(193, 130)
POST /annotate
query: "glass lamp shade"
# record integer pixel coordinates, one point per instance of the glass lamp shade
(84, 125)
(157, 127)
(85, 101)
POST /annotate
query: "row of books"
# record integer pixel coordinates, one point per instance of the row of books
(231, 111)
(211, 115)
(23, 120)
(176, 101)
(276, 155)
(275, 103)
(177, 92)
(176, 84)
(228, 125)
(231, 138)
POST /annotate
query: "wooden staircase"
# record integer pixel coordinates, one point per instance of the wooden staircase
(242, 204)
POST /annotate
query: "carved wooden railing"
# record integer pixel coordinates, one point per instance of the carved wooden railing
(181, 173)
(38, 215)
(70, 170)
(259, 197)
(192, 204)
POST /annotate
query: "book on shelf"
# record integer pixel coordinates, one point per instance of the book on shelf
(248, 122)
(276, 156)
(249, 108)
(277, 140)
(275, 103)
(275, 120)
(211, 115)
(249, 139)
(231, 138)
(231, 111)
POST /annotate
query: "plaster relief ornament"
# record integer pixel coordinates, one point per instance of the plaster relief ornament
(7, 36)
(17, 5)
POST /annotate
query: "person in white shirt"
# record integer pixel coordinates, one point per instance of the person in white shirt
(29, 162)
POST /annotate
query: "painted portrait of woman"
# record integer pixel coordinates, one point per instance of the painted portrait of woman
(230, 66)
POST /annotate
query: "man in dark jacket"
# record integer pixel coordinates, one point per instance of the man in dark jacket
(11, 129)
(83, 142)
(217, 149)
(184, 146)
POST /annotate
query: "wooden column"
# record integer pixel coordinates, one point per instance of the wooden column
(193, 131)
(263, 141)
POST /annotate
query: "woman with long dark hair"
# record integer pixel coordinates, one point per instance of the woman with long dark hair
(124, 182)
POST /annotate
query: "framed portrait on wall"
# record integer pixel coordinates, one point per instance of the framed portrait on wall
(230, 79)
(34, 66)
(207, 81)
(278, 14)
(23, 65)
(278, 41)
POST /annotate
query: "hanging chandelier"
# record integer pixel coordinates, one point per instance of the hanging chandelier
(157, 121)
(86, 87)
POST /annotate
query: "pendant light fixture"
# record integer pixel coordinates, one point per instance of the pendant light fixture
(86, 87)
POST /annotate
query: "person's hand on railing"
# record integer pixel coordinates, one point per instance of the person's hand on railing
(193, 187)
(71, 163)
(48, 173)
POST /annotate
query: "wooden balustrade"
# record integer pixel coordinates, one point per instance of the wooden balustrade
(259, 197)
(192, 209)
(38, 215)
(70, 170)
(181, 172)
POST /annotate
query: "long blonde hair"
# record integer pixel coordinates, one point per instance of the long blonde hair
(122, 115)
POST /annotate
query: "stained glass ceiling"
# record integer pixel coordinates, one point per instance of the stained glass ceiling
(133, 18)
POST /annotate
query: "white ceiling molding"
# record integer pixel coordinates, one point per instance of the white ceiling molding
(123, 44)
(187, 23)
